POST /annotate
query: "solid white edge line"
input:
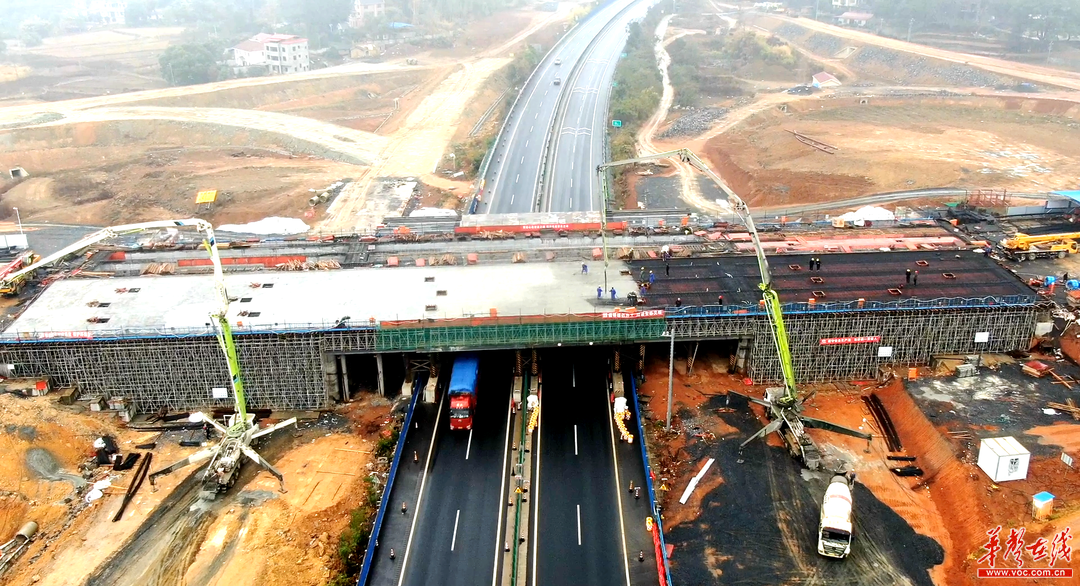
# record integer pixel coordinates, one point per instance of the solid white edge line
(420, 496)
(618, 485)
(579, 524)
(453, 541)
(502, 493)
(536, 491)
(575, 439)
(468, 446)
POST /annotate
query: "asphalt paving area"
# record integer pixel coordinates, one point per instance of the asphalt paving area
(759, 524)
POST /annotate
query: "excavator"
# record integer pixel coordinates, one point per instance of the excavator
(1024, 247)
(227, 456)
(783, 404)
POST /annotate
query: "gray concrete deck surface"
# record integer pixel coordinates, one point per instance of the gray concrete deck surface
(323, 297)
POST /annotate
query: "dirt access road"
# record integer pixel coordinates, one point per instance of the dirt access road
(1035, 73)
(416, 147)
(690, 192)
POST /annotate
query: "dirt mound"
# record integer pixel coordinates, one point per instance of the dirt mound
(953, 484)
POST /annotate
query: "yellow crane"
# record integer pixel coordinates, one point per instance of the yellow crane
(783, 404)
(1025, 247)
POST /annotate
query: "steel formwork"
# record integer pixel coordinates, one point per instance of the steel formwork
(295, 370)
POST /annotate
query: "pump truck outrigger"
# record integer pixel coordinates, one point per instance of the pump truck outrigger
(240, 429)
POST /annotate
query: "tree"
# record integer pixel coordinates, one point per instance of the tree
(320, 15)
(189, 64)
(138, 12)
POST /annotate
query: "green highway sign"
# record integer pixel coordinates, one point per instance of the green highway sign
(616, 123)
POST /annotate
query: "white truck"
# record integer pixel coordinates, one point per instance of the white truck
(834, 532)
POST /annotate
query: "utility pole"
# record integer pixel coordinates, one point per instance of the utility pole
(670, 377)
(817, 9)
(910, 23)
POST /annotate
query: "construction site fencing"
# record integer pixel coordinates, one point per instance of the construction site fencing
(653, 505)
(365, 568)
(128, 333)
(846, 306)
(509, 332)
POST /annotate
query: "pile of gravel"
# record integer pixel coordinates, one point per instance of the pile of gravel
(905, 68)
(825, 45)
(694, 122)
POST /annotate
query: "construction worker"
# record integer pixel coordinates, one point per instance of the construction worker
(641, 278)
(652, 277)
(720, 300)
(907, 275)
(392, 556)
(599, 292)
(667, 270)
(678, 302)
(819, 263)
(613, 293)
(584, 269)
(811, 263)
(404, 508)
(915, 279)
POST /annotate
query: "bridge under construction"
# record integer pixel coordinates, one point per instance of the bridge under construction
(306, 337)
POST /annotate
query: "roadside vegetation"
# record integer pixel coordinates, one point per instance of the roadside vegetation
(706, 67)
(637, 91)
(354, 539)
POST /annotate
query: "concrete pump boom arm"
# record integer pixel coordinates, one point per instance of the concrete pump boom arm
(772, 300)
(220, 315)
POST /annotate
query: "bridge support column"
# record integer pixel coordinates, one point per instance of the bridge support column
(331, 378)
(343, 366)
(433, 379)
(382, 382)
(742, 355)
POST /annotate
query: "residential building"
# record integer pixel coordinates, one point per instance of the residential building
(365, 10)
(854, 18)
(278, 53)
(247, 54)
(103, 11)
(845, 3)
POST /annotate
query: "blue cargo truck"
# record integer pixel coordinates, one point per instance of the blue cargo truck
(463, 380)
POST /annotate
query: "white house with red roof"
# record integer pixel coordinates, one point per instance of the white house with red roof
(824, 80)
(277, 52)
(854, 18)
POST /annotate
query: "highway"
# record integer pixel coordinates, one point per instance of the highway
(577, 534)
(455, 540)
(511, 181)
(579, 143)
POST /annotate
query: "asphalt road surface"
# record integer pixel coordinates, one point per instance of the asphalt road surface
(578, 534)
(580, 138)
(510, 185)
(456, 541)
